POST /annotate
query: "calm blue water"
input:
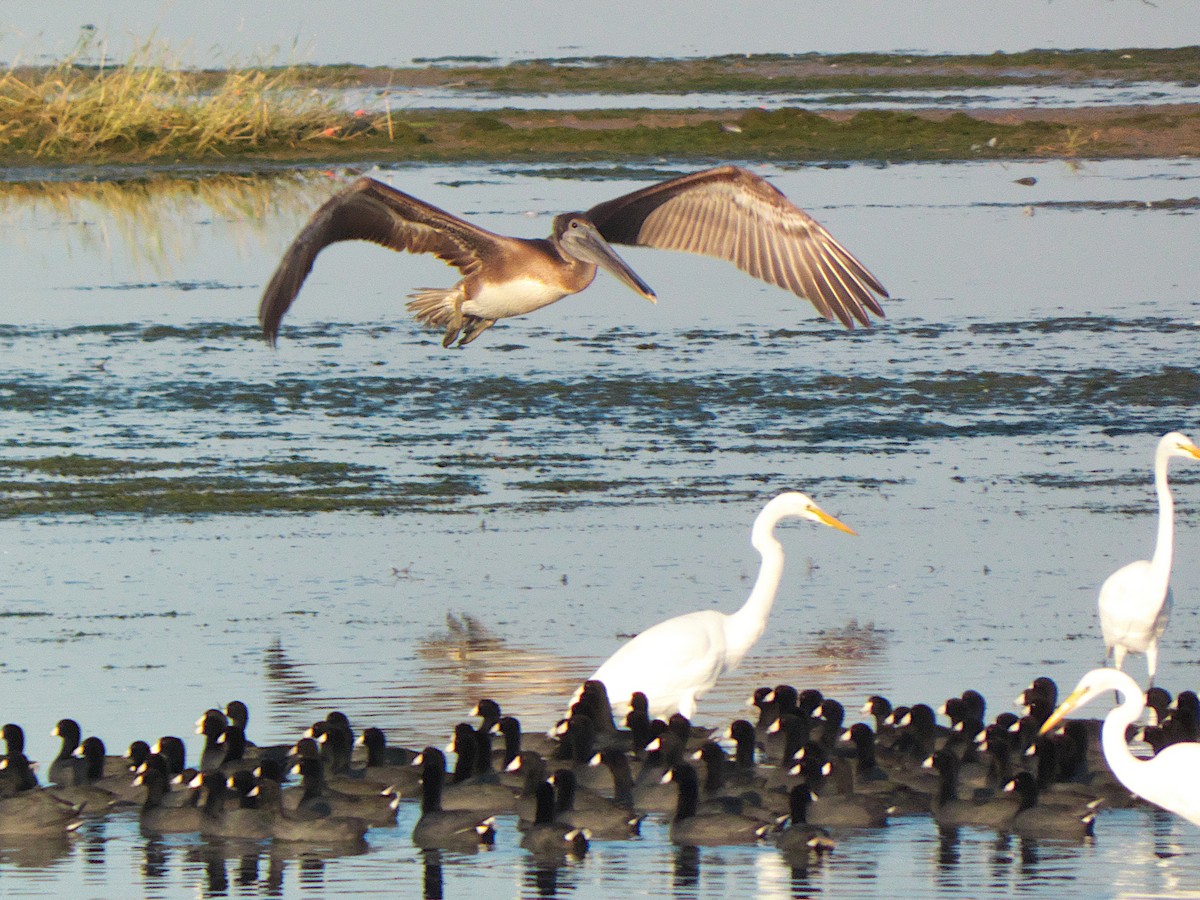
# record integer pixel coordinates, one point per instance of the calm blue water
(580, 474)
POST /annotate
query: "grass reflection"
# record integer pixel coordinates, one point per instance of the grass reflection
(153, 218)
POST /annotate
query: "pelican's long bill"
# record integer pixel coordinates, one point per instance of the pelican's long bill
(583, 241)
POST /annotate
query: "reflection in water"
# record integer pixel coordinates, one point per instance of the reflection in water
(36, 853)
(1000, 861)
(486, 664)
(156, 861)
(996, 97)
(151, 217)
(262, 868)
(470, 661)
(293, 696)
(432, 874)
(966, 434)
(467, 663)
(685, 878)
(948, 858)
(540, 878)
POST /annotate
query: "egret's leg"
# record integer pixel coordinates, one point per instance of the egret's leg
(687, 705)
(1152, 661)
(1118, 655)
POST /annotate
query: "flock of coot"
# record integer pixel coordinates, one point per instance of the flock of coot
(795, 773)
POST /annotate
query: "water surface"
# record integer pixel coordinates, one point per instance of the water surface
(1024, 97)
(505, 512)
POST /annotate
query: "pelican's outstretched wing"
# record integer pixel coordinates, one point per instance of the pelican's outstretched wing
(734, 215)
(369, 210)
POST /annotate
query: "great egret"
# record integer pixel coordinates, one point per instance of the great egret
(675, 662)
(1135, 600)
(1168, 779)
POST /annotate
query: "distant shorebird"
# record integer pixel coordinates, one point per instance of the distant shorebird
(725, 212)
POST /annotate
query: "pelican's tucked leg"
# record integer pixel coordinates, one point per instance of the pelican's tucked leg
(455, 321)
(475, 326)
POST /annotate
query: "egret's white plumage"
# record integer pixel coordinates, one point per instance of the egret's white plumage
(1135, 601)
(1171, 779)
(675, 662)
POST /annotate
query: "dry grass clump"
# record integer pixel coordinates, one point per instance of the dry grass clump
(149, 107)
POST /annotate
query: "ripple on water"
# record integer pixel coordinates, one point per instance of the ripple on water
(567, 481)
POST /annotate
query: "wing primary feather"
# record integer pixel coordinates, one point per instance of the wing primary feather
(370, 210)
(735, 215)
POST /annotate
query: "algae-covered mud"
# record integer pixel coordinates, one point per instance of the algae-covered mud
(146, 110)
(779, 73)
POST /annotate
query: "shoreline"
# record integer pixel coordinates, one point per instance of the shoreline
(789, 134)
(152, 115)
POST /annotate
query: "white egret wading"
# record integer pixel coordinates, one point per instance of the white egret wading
(1135, 601)
(675, 662)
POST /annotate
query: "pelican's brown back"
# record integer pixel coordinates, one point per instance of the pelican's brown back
(735, 215)
(369, 210)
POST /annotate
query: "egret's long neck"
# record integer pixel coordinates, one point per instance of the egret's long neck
(1161, 562)
(1129, 770)
(748, 623)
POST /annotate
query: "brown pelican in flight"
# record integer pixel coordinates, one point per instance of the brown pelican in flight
(724, 212)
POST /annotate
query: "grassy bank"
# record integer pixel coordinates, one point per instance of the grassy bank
(148, 110)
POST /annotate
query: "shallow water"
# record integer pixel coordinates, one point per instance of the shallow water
(1149, 93)
(577, 475)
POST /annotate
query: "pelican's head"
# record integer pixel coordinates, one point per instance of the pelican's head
(578, 237)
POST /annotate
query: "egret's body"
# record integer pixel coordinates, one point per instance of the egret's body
(1171, 779)
(675, 662)
(726, 212)
(1135, 601)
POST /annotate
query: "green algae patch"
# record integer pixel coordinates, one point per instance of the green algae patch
(83, 485)
(75, 465)
(775, 73)
(150, 111)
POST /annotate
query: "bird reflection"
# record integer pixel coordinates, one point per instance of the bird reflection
(37, 852)
(92, 842)
(156, 860)
(248, 864)
(800, 882)
(1001, 858)
(686, 877)
(540, 876)
(1030, 860)
(432, 874)
(948, 856)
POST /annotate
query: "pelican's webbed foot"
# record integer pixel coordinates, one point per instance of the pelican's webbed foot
(475, 326)
(455, 319)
